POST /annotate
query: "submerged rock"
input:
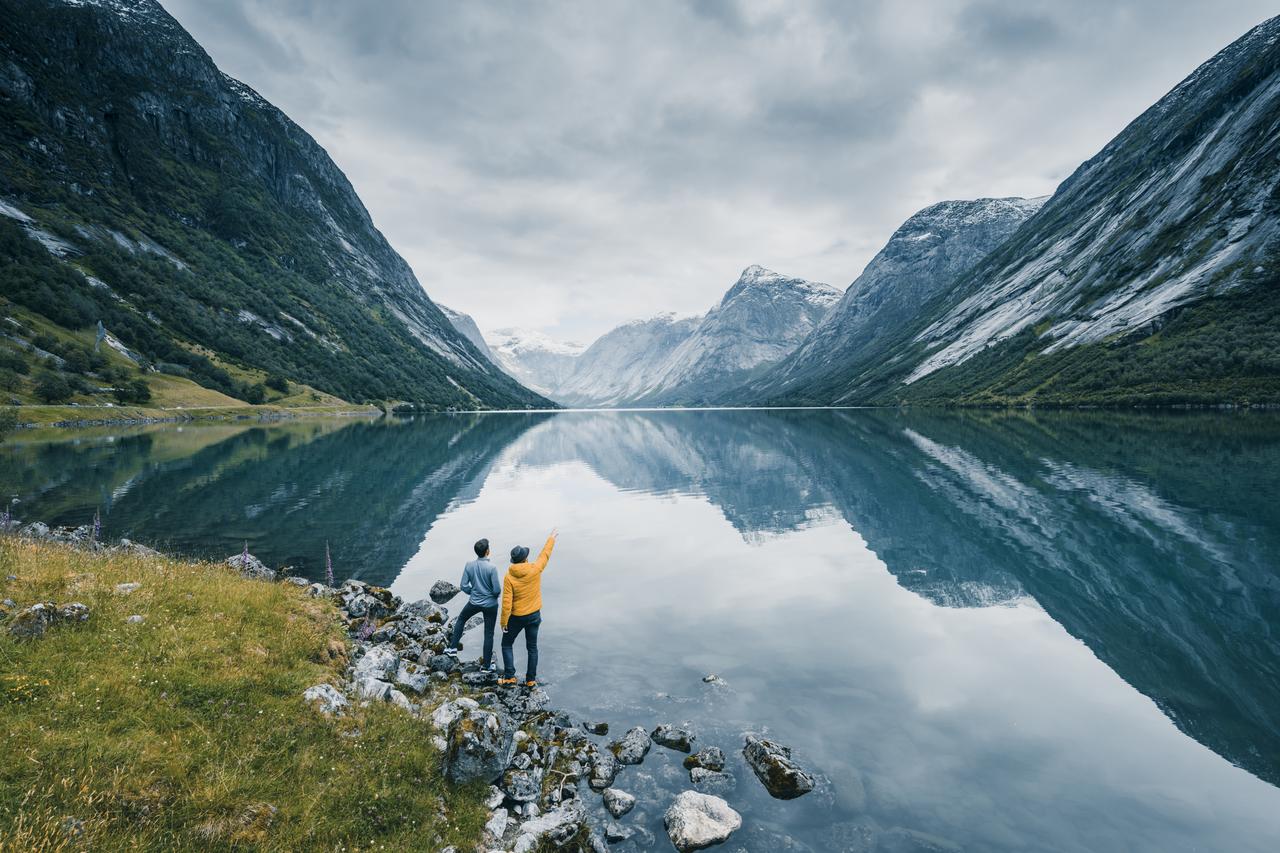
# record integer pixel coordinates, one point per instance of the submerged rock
(712, 781)
(442, 592)
(695, 821)
(772, 764)
(596, 728)
(632, 748)
(679, 738)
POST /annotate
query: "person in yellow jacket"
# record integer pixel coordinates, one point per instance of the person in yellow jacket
(522, 610)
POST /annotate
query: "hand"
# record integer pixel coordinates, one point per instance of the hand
(555, 531)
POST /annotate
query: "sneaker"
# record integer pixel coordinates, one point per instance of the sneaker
(451, 652)
(493, 667)
(506, 682)
(531, 683)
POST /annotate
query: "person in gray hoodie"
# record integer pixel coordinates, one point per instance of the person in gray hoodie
(481, 583)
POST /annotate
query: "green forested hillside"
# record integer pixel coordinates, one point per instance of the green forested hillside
(212, 236)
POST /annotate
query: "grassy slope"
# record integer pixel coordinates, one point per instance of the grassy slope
(174, 734)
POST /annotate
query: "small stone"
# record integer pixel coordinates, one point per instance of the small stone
(135, 619)
(679, 738)
(604, 769)
(413, 676)
(30, 623)
(442, 663)
(632, 748)
(695, 821)
(596, 728)
(73, 612)
(618, 802)
(521, 786)
(497, 824)
(709, 757)
(442, 592)
(250, 567)
(380, 662)
(126, 588)
(395, 697)
(494, 798)
(294, 580)
(327, 699)
(373, 689)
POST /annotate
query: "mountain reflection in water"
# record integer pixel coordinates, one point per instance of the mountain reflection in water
(1151, 539)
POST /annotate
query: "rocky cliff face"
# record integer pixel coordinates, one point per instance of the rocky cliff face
(203, 218)
(665, 361)
(920, 261)
(1149, 276)
(465, 324)
(623, 363)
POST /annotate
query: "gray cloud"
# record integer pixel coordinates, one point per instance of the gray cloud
(571, 165)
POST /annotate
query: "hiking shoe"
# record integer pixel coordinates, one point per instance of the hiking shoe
(451, 652)
(531, 683)
(506, 682)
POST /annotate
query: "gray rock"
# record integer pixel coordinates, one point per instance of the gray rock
(617, 802)
(363, 605)
(327, 699)
(709, 757)
(126, 588)
(679, 738)
(712, 781)
(496, 827)
(414, 627)
(604, 769)
(696, 821)
(413, 676)
(36, 530)
(559, 826)
(319, 590)
(442, 663)
(478, 745)
(73, 612)
(772, 764)
(380, 662)
(442, 592)
(521, 786)
(443, 717)
(632, 748)
(425, 609)
(481, 678)
(373, 689)
(494, 798)
(250, 567)
(30, 623)
(596, 728)
(395, 697)
(135, 619)
(294, 580)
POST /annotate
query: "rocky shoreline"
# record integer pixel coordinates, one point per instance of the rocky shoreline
(541, 765)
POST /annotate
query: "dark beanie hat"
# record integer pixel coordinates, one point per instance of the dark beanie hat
(519, 554)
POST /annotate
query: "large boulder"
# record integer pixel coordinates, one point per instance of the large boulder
(696, 821)
(424, 609)
(632, 747)
(362, 605)
(558, 828)
(251, 567)
(442, 592)
(679, 738)
(772, 764)
(326, 698)
(478, 745)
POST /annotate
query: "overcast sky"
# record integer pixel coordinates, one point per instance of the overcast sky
(570, 166)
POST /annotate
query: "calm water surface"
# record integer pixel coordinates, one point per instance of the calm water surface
(1013, 632)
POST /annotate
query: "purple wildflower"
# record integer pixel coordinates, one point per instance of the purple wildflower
(244, 555)
(366, 629)
(328, 567)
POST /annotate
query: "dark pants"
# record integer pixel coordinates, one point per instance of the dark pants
(490, 619)
(515, 624)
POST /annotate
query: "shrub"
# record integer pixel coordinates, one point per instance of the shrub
(52, 388)
(279, 383)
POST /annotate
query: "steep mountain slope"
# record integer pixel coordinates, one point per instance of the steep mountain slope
(465, 324)
(624, 362)
(142, 187)
(922, 259)
(538, 361)
(662, 362)
(1152, 275)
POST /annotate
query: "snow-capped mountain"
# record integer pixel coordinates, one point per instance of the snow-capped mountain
(1151, 276)
(536, 360)
(922, 258)
(624, 363)
(668, 361)
(467, 326)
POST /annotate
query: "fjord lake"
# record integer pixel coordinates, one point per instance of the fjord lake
(980, 631)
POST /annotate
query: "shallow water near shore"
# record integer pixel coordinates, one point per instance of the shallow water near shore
(1049, 631)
